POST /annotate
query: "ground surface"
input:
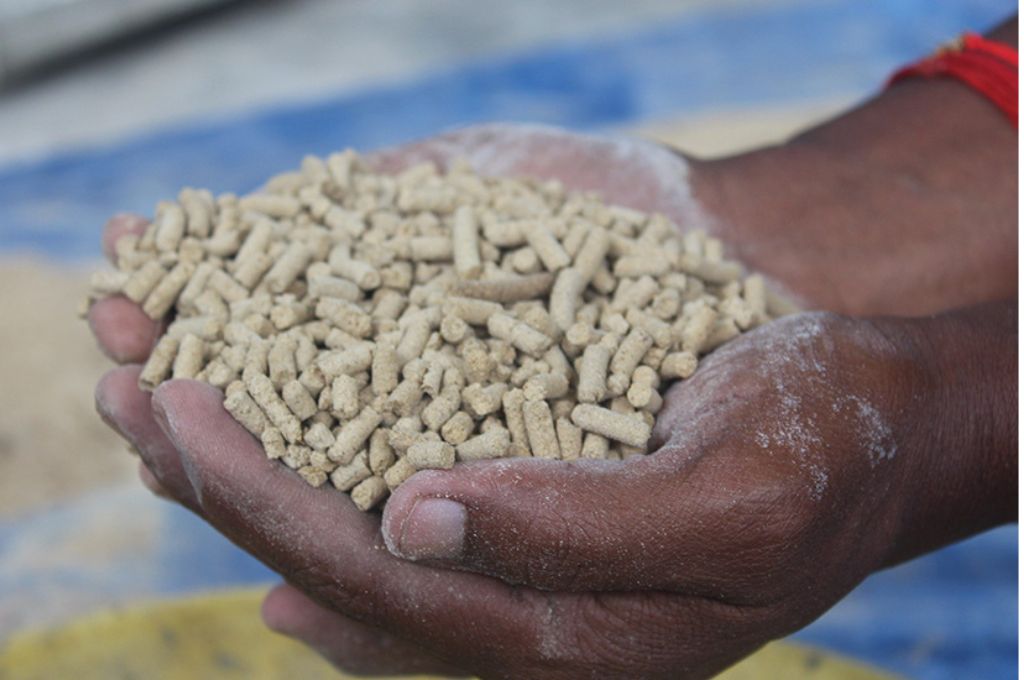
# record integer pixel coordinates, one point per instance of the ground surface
(52, 445)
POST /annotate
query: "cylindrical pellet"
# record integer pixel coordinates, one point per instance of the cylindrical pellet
(170, 226)
(506, 289)
(471, 310)
(348, 361)
(398, 473)
(243, 409)
(158, 366)
(345, 397)
(256, 242)
(523, 336)
(318, 436)
(165, 293)
(369, 492)
(678, 365)
(697, 328)
(381, 455)
(428, 454)
(546, 386)
(592, 253)
(384, 369)
(566, 296)
(629, 354)
(440, 409)
(712, 272)
(549, 250)
(353, 435)
(430, 249)
(345, 315)
(493, 444)
(325, 285)
(642, 264)
(143, 280)
(250, 272)
(270, 437)
(618, 426)
(346, 476)
(594, 446)
(723, 331)
(483, 400)
(298, 399)
(593, 374)
(570, 439)
(227, 287)
(458, 428)
(272, 205)
(755, 295)
(404, 398)
(413, 340)
(465, 243)
(264, 394)
(660, 332)
(281, 364)
(198, 207)
(540, 429)
(362, 273)
(189, 359)
(288, 267)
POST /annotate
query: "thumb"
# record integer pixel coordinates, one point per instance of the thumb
(584, 525)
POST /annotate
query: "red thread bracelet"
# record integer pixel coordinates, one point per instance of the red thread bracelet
(988, 67)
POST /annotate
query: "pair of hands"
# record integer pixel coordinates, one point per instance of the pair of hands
(778, 482)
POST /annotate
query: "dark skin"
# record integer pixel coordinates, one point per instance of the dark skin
(801, 458)
(905, 205)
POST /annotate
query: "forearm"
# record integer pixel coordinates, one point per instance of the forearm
(961, 477)
(905, 205)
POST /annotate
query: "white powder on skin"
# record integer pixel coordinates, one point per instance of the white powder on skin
(626, 171)
(878, 437)
(765, 368)
(795, 429)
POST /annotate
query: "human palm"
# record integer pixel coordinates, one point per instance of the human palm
(767, 497)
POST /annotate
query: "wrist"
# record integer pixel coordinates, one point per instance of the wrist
(901, 206)
(960, 433)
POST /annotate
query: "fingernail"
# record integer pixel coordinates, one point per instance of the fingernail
(434, 529)
(107, 413)
(169, 427)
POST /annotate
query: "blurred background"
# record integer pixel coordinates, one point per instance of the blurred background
(111, 105)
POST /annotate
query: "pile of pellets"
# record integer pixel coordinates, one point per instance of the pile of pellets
(365, 326)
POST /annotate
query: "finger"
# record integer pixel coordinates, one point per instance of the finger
(150, 482)
(602, 629)
(579, 526)
(660, 635)
(127, 409)
(351, 646)
(122, 330)
(323, 544)
(117, 226)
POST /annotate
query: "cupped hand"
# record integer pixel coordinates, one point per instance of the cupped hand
(774, 489)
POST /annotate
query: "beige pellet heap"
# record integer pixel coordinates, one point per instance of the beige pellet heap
(365, 326)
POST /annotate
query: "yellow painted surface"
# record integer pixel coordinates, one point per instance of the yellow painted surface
(729, 131)
(221, 637)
